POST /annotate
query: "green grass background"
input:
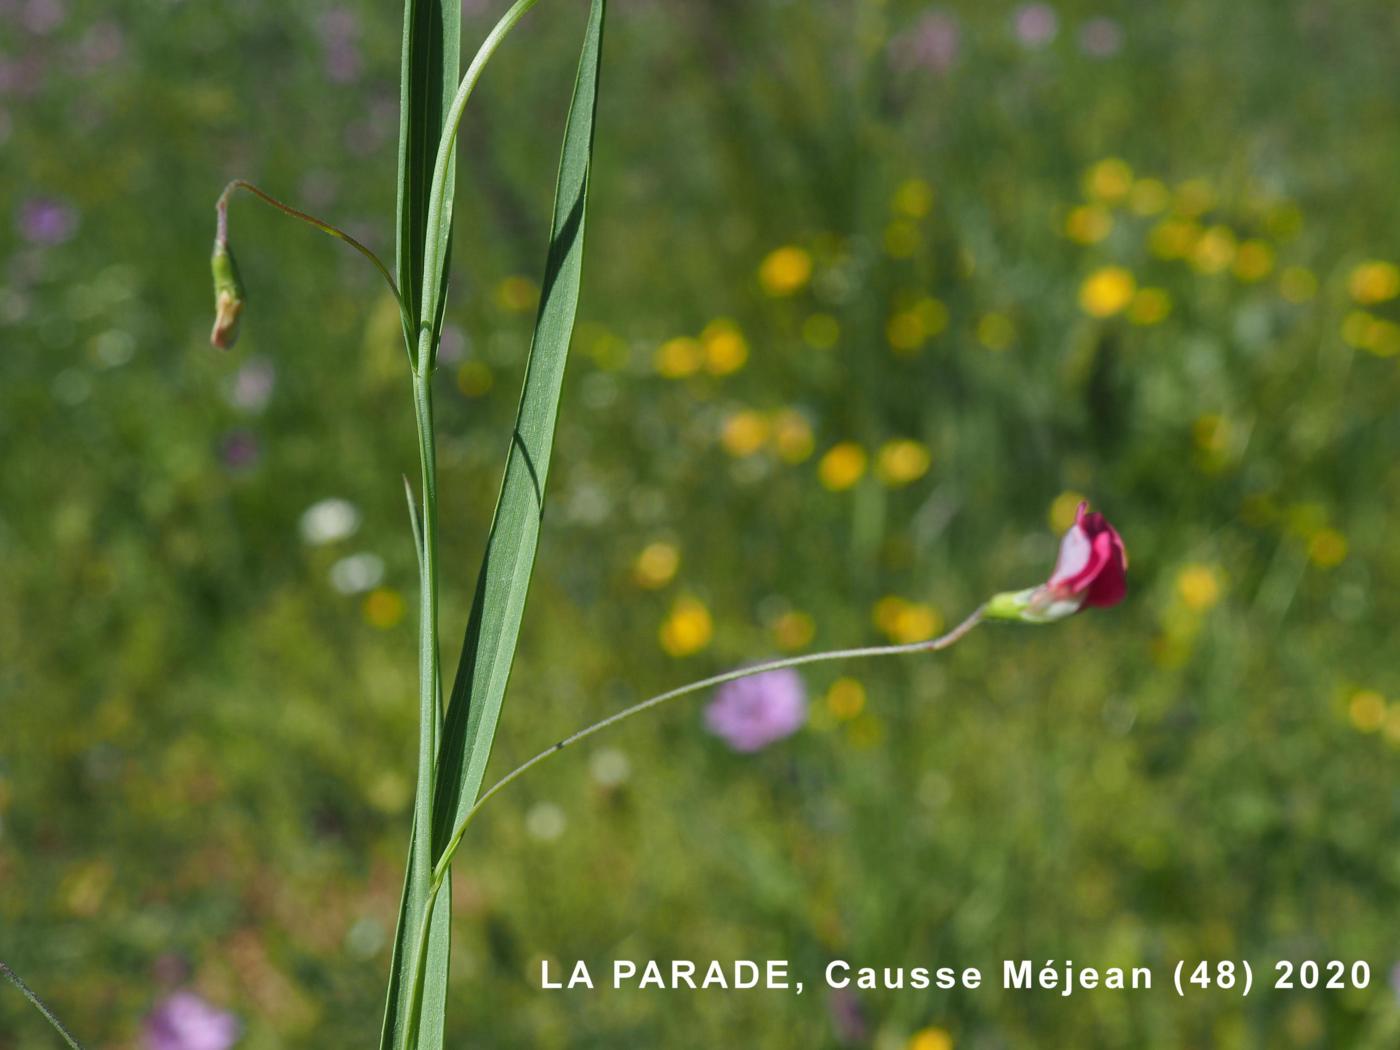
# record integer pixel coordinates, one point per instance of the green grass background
(206, 749)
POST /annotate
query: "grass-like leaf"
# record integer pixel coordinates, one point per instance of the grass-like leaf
(432, 33)
(499, 604)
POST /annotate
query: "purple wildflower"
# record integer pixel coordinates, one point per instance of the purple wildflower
(847, 1017)
(45, 220)
(1101, 38)
(184, 1021)
(239, 450)
(1035, 24)
(751, 713)
(930, 43)
(43, 16)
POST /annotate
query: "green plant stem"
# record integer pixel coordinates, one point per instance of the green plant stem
(221, 236)
(429, 680)
(445, 861)
(437, 194)
(930, 646)
(39, 1005)
(424, 364)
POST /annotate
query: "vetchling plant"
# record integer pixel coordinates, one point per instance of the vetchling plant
(455, 735)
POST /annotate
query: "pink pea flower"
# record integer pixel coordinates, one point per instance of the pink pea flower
(751, 713)
(1093, 563)
(184, 1021)
(1091, 570)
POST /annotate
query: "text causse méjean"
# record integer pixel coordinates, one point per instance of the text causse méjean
(776, 974)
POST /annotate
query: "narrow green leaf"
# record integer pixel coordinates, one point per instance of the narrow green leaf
(428, 81)
(430, 1033)
(494, 625)
(432, 31)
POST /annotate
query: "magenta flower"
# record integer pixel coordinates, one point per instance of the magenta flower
(751, 713)
(1093, 563)
(184, 1021)
(1091, 570)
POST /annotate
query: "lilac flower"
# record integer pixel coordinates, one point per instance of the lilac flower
(252, 385)
(1035, 24)
(847, 1017)
(930, 43)
(46, 220)
(340, 36)
(43, 16)
(1101, 38)
(22, 76)
(101, 45)
(751, 713)
(239, 450)
(184, 1021)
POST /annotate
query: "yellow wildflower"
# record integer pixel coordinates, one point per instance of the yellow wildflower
(1088, 223)
(1374, 282)
(913, 198)
(1254, 261)
(1215, 251)
(901, 461)
(1106, 291)
(792, 436)
(517, 294)
(933, 315)
(1198, 586)
(656, 565)
(680, 357)
(1109, 180)
(1367, 710)
(793, 630)
(930, 1039)
(1173, 238)
(785, 271)
(905, 621)
(744, 433)
(845, 699)
(726, 350)
(842, 466)
(687, 629)
(905, 331)
(383, 608)
(1063, 510)
(474, 378)
(1327, 548)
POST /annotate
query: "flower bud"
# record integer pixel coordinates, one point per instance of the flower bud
(228, 296)
(1091, 570)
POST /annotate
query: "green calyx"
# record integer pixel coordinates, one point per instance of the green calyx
(228, 296)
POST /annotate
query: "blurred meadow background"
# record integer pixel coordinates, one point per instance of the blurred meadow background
(875, 292)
